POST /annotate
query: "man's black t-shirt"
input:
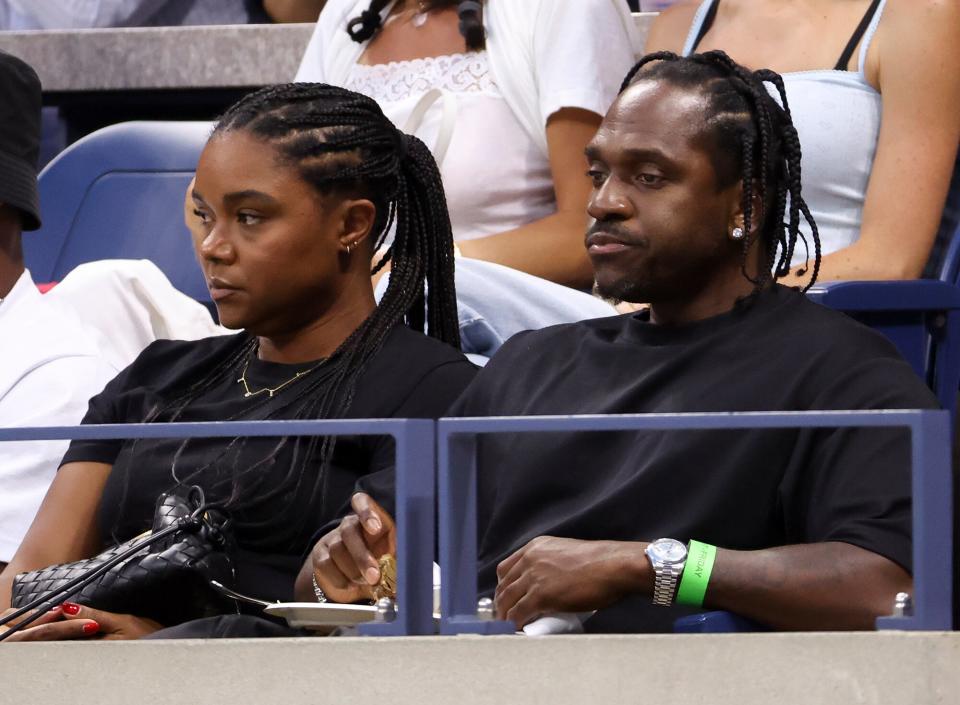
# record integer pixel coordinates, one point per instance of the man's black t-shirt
(411, 376)
(735, 489)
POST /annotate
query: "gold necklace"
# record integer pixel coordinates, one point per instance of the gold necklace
(271, 391)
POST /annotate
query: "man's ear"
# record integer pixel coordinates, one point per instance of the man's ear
(357, 218)
(737, 217)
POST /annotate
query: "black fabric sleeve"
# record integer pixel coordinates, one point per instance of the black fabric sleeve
(429, 398)
(853, 485)
(511, 362)
(104, 408)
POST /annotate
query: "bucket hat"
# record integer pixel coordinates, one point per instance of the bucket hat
(20, 104)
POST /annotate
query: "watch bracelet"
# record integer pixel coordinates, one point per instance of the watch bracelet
(665, 585)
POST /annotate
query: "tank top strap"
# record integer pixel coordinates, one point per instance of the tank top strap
(702, 21)
(868, 37)
(865, 31)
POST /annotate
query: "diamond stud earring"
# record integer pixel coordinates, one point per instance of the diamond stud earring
(736, 234)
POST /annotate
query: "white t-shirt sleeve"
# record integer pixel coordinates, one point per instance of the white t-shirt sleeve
(54, 394)
(311, 65)
(582, 51)
(333, 18)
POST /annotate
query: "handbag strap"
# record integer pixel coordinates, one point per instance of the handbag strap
(45, 603)
(447, 122)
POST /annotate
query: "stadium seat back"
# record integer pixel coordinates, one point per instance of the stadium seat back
(118, 194)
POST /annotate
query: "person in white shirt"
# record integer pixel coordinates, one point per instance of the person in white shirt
(49, 367)
(506, 94)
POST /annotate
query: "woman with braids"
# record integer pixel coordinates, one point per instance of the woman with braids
(878, 124)
(506, 93)
(296, 189)
(698, 206)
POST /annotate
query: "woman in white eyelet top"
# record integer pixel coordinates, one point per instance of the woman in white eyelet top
(499, 167)
(879, 128)
(488, 192)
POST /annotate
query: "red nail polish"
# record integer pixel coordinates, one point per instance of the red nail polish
(71, 608)
(91, 628)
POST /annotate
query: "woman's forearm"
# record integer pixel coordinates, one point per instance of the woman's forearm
(551, 248)
(294, 10)
(861, 263)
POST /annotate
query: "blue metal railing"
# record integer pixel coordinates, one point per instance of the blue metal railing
(931, 485)
(415, 465)
(417, 444)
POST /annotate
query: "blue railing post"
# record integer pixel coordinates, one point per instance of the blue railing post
(416, 462)
(458, 540)
(932, 488)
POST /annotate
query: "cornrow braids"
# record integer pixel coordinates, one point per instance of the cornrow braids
(470, 12)
(341, 143)
(753, 140)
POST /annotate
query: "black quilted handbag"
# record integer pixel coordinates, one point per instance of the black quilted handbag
(163, 575)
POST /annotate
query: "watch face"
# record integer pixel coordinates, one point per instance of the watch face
(668, 551)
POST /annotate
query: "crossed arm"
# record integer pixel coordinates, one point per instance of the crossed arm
(821, 586)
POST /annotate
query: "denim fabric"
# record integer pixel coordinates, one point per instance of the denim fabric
(496, 302)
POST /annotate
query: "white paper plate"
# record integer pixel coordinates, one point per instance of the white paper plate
(326, 614)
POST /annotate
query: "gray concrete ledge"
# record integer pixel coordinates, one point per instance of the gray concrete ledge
(153, 58)
(161, 57)
(899, 668)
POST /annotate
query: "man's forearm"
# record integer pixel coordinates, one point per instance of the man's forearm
(825, 586)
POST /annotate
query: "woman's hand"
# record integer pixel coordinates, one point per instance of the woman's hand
(53, 615)
(345, 561)
(72, 621)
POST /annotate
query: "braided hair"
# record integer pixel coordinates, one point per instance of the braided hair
(342, 144)
(364, 27)
(752, 139)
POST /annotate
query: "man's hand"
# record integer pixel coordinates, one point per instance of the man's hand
(72, 621)
(345, 561)
(551, 575)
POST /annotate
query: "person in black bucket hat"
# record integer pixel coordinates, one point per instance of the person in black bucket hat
(49, 365)
(19, 139)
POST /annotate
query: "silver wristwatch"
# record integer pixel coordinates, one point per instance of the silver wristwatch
(667, 556)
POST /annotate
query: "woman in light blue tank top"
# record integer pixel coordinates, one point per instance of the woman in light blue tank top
(879, 127)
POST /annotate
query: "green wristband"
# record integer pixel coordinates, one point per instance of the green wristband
(696, 573)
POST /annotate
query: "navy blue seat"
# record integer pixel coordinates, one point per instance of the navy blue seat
(118, 194)
(921, 317)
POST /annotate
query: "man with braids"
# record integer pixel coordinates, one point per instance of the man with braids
(692, 169)
(296, 189)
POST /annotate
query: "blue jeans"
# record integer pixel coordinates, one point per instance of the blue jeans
(495, 302)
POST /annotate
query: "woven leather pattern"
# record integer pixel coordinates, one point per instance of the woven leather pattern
(167, 581)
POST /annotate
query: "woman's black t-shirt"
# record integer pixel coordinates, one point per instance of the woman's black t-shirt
(275, 513)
